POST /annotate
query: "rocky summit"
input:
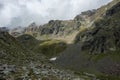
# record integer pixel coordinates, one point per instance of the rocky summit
(86, 47)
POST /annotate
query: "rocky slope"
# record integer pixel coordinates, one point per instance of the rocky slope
(36, 72)
(97, 48)
(65, 29)
(28, 41)
(12, 51)
(105, 34)
(19, 62)
(17, 31)
(59, 29)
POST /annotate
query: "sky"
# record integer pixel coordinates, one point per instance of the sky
(14, 13)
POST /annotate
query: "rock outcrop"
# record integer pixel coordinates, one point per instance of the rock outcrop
(105, 34)
(16, 31)
(57, 29)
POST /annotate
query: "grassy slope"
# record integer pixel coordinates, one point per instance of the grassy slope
(28, 41)
(52, 48)
(48, 48)
(13, 52)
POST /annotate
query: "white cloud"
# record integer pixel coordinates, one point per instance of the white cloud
(23, 12)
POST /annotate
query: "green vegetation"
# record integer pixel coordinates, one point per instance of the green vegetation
(114, 55)
(47, 47)
(13, 52)
(52, 47)
(108, 77)
(28, 41)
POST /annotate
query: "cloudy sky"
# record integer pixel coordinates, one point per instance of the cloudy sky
(23, 12)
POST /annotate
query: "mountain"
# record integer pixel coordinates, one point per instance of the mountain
(104, 36)
(28, 41)
(19, 61)
(59, 29)
(89, 45)
(97, 48)
(13, 52)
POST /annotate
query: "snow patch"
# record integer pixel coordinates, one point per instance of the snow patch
(53, 59)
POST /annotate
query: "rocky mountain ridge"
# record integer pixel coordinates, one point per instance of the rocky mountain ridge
(59, 29)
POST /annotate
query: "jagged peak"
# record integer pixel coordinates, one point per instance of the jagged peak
(85, 14)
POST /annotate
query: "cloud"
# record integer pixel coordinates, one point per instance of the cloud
(15, 13)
